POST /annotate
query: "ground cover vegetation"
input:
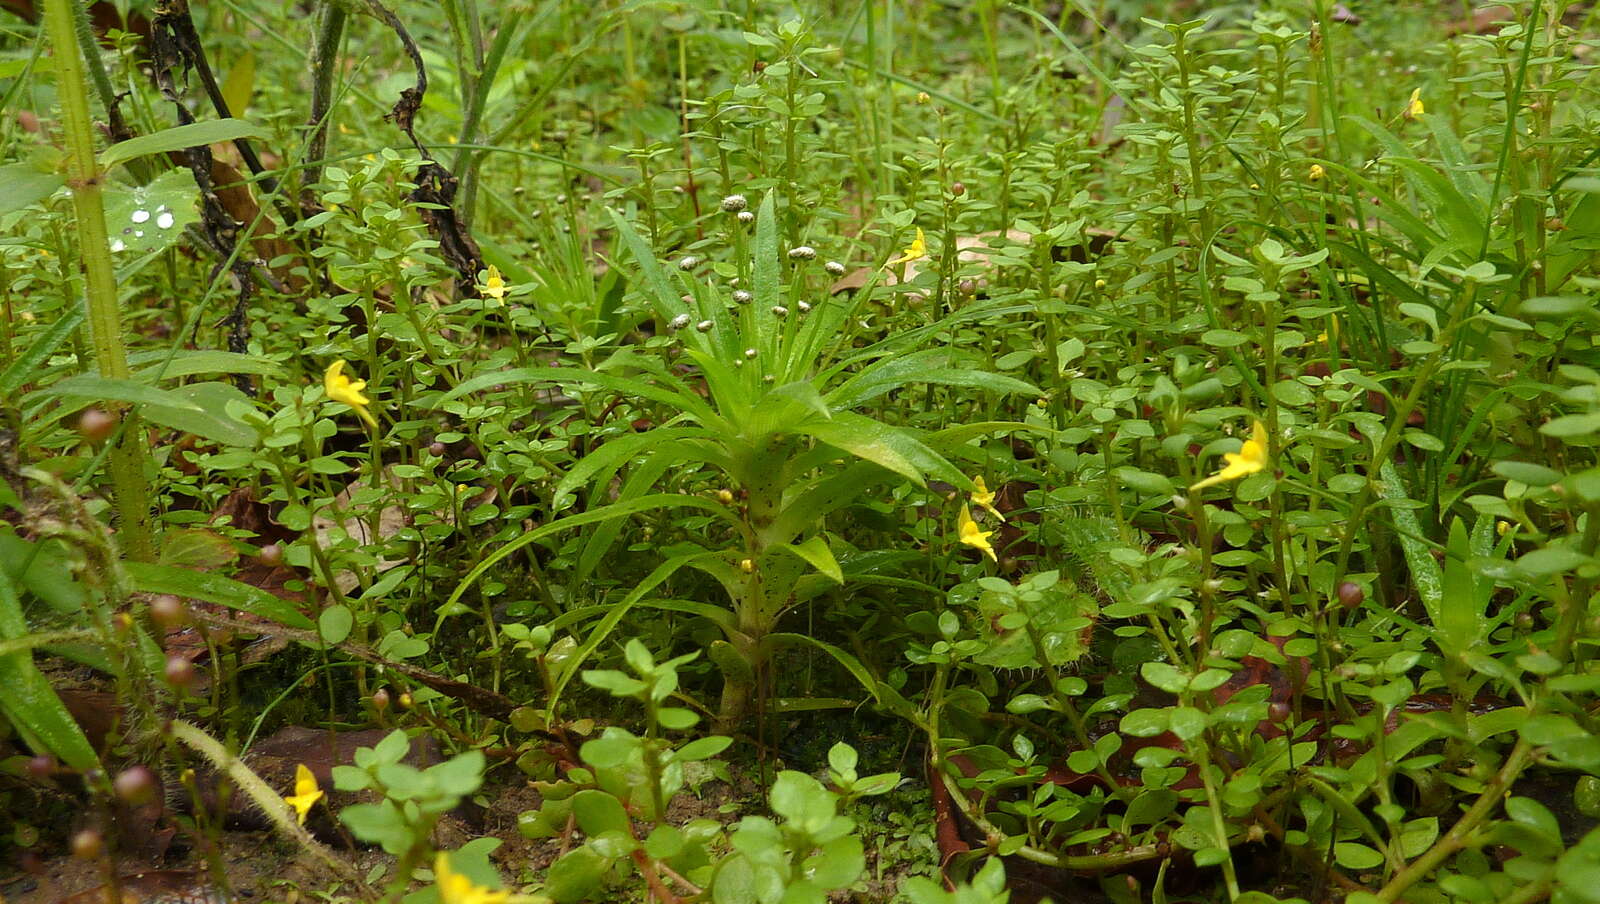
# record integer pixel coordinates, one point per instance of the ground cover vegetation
(743, 452)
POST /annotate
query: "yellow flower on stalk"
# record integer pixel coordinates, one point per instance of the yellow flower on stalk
(972, 536)
(493, 285)
(341, 388)
(305, 793)
(1414, 106)
(917, 250)
(454, 888)
(983, 497)
(1317, 173)
(1250, 458)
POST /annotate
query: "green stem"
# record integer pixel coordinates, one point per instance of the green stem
(324, 58)
(127, 458)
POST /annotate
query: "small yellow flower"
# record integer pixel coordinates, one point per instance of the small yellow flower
(983, 497)
(455, 888)
(1317, 172)
(1250, 458)
(493, 285)
(1414, 106)
(341, 388)
(305, 793)
(972, 536)
(917, 250)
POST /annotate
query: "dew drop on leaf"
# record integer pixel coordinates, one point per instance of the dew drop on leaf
(139, 216)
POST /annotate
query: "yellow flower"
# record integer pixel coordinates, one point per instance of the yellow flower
(917, 250)
(1317, 172)
(983, 498)
(305, 793)
(493, 286)
(1414, 106)
(455, 888)
(971, 536)
(1250, 458)
(341, 388)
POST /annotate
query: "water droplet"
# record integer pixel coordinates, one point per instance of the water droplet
(138, 233)
(164, 220)
(116, 245)
(139, 216)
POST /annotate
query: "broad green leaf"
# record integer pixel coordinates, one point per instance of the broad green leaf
(239, 84)
(29, 701)
(141, 219)
(22, 184)
(107, 389)
(177, 138)
(214, 588)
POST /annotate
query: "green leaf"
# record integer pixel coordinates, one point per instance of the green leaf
(214, 588)
(107, 389)
(22, 184)
(39, 351)
(1351, 855)
(334, 624)
(179, 137)
(142, 219)
(29, 702)
(599, 812)
(817, 552)
(576, 876)
(211, 421)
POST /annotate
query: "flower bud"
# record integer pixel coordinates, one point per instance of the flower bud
(703, 326)
(87, 844)
(779, 311)
(380, 699)
(746, 217)
(436, 448)
(42, 766)
(734, 203)
(1350, 594)
(167, 611)
(270, 555)
(725, 497)
(958, 188)
(740, 296)
(802, 253)
(688, 262)
(678, 322)
(748, 566)
(135, 785)
(834, 268)
(179, 672)
(95, 425)
(803, 307)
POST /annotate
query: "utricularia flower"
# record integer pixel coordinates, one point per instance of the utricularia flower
(1316, 173)
(983, 497)
(914, 251)
(1414, 106)
(493, 286)
(306, 793)
(454, 888)
(341, 388)
(1251, 457)
(972, 536)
